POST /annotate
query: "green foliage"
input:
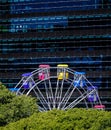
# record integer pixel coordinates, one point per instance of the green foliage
(13, 108)
(73, 119)
(5, 95)
(21, 113)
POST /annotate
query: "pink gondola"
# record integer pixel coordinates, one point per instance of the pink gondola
(44, 72)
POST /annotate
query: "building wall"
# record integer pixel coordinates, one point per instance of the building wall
(77, 33)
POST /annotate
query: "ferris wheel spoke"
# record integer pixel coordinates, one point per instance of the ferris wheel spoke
(56, 94)
(75, 102)
(50, 86)
(40, 99)
(20, 82)
(67, 94)
(84, 90)
(98, 97)
(41, 108)
(79, 99)
(51, 92)
(42, 96)
(61, 88)
(60, 94)
(70, 94)
(68, 97)
(47, 95)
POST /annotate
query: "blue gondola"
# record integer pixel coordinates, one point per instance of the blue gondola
(93, 97)
(78, 80)
(27, 84)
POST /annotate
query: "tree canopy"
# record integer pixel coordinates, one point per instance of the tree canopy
(13, 107)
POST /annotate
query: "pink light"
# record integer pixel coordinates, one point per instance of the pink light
(99, 106)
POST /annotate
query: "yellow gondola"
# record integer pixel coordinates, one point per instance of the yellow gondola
(61, 71)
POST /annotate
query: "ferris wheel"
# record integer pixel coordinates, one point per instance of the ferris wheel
(59, 88)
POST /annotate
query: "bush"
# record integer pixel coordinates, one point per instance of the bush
(73, 119)
(21, 113)
(13, 108)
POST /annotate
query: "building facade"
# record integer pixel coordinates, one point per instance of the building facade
(74, 32)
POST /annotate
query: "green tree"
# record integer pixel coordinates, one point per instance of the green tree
(72, 119)
(13, 108)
